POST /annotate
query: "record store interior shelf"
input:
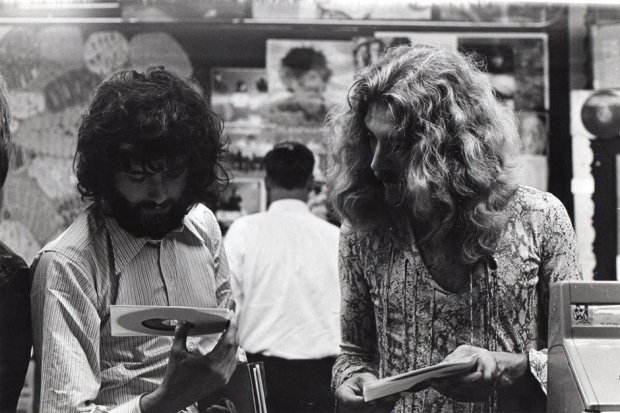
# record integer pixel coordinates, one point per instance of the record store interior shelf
(199, 47)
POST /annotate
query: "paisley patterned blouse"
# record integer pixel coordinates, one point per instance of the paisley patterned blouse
(395, 318)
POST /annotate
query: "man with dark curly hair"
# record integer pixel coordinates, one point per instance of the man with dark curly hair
(442, 254)
(149, 155)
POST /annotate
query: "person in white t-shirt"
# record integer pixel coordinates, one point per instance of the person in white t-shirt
(284, 276)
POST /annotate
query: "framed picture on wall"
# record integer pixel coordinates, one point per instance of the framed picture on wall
(244, 196)
(306, 79)
(237, 94)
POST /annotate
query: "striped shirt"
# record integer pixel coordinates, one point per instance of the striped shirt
(94, 264)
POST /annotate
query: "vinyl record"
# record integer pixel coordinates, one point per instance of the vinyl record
(600, 114)
(129, 320)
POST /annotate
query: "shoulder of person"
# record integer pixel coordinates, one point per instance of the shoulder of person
(201, 213)
(348, 234)
(10, 260)
(326, 225)
(13, 270)
(250, 225)
(532, 200)
(203, 220)
(79, 238)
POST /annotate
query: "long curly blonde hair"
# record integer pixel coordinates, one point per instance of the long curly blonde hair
(460, 142)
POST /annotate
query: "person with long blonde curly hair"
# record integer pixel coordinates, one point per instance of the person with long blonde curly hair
(443, 254)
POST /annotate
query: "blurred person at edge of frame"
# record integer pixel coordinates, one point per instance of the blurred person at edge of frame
(15, 330)
(442, 254)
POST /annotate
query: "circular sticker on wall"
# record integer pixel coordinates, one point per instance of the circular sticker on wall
(600, 114)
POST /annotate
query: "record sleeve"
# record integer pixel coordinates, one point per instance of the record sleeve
(138, 320)
(421, 378)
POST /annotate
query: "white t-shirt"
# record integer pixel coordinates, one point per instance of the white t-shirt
(284, 276)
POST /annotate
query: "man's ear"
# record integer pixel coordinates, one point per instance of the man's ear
(310, 183)
(268, 182)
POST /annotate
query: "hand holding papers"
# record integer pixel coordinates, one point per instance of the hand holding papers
(405, 381)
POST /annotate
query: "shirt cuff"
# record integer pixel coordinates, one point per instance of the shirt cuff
(131, 406)
(538, 366)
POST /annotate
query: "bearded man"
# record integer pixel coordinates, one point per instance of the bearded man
(149, 154)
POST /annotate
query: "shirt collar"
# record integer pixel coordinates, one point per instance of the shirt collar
(126, 246)
(288, 205)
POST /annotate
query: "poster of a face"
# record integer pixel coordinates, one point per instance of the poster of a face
(306, 78)
(237, 94)
(244, 195)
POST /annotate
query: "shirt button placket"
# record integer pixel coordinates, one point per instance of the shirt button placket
(166, 263)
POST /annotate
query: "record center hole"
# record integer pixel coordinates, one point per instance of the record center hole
(163, 324)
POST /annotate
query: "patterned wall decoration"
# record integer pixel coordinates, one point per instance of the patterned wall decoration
(52, 72)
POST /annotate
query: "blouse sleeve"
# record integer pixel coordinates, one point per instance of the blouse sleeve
(357, 318)
(559, 262)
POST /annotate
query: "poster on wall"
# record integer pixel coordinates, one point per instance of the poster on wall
(306, 79)
(367, 49)
(189, 10)
(412, 10)
(51, 72)
(243, 196)
(341, 9)
(605, 56)
(238, 96)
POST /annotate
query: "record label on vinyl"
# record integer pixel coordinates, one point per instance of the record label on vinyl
(600, 114)
(136, 320)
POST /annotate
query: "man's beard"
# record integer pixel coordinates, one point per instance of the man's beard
(143, 220)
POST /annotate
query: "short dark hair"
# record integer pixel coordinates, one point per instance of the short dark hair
(5, 131)
(145, 116)
(289, 165)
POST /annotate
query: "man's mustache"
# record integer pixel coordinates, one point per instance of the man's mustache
(154, 205)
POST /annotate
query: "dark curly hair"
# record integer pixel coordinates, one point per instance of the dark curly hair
(146, 116)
